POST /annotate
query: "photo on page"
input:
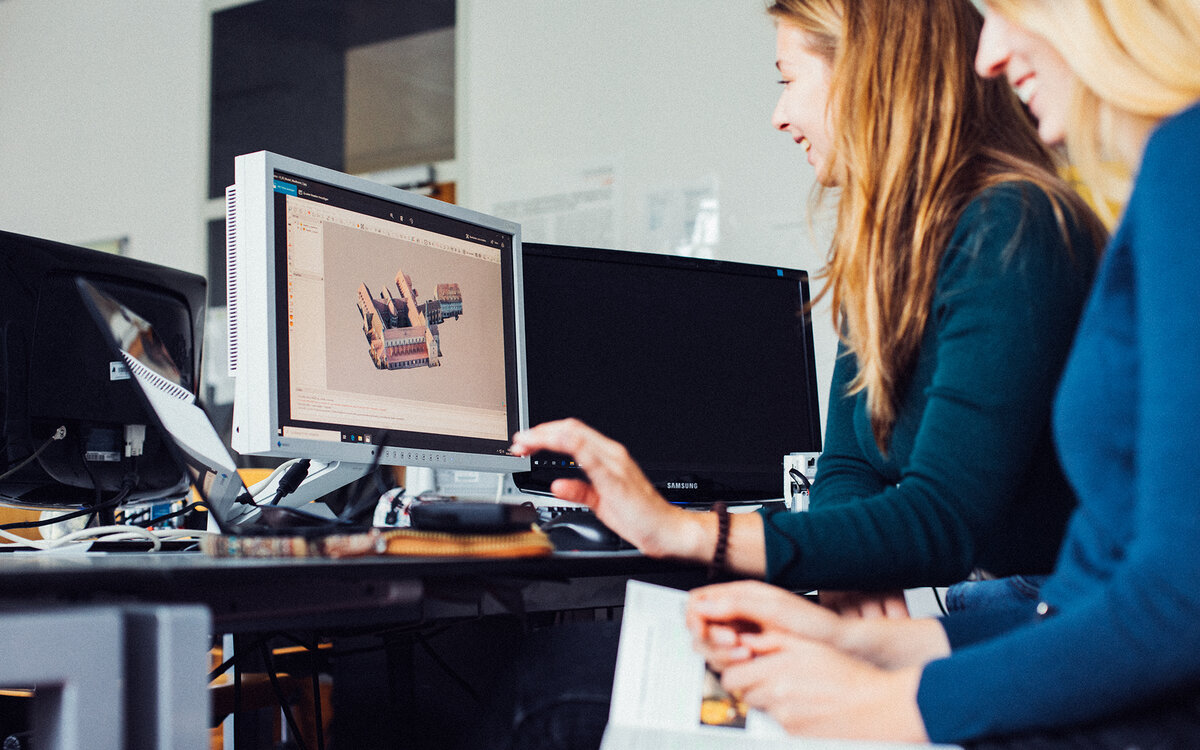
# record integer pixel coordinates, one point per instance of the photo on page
(718, 708)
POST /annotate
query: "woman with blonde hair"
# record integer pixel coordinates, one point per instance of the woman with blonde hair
(1110, 656)
(957, 272)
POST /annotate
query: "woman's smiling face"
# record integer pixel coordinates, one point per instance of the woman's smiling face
(1040, 76)
(802, 110)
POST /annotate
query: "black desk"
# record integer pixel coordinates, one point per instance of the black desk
(248, 596)
(345, 599)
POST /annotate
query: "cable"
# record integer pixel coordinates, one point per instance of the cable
(170, 534)
(355, 507)
(59, 434)
(316, 691)
(48, 521)
(938, 598)
(462, 683)
(97, 495)
(174, 514)
(263, 484)
(291, 480)
(232, 661)
(117, 500)
(283, 702)
(113, 533)
(259, 645)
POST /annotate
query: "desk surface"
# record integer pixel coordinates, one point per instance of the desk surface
(248, 595)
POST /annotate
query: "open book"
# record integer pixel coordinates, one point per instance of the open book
(665, 698)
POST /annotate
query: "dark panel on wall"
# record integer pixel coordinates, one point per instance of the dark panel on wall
(278, 74)
(370, 21)
(216, 263)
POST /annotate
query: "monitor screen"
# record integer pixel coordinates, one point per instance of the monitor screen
(73, 430)
(704, 369)
(370, 324)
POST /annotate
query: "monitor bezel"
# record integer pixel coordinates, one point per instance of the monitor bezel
(675, 485)
(254, 324)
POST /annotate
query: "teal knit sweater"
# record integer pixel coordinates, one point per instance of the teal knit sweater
(970, 478)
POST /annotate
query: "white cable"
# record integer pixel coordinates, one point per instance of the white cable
(112, 533)
(169, 534)
(20, 540)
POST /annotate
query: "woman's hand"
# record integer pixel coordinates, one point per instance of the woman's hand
(813, 689)
(866, 604)
(726, 618)
(812, 670)
(616, 489)
(722, 616)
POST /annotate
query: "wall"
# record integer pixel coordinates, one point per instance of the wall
(653, 102)
(103, 123)
(654, 107)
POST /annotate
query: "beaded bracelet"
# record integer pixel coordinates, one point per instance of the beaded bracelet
(718, 559)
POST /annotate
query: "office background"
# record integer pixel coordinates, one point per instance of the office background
(635, 125)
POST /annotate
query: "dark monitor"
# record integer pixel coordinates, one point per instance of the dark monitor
(74, 432)
(703, 368)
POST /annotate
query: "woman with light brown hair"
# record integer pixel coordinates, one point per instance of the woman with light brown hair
(1110, 656)
(956, 274)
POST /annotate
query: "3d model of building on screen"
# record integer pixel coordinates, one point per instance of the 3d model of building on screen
(403, 333)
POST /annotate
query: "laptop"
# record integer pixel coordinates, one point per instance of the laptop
(187, 431)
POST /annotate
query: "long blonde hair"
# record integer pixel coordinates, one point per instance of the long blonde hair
(1135, 63)
(918, 135)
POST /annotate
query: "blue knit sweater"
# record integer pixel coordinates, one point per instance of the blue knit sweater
(1124, 623)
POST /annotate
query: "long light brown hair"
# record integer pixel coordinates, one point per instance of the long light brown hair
(917, 135)
(1135, 63)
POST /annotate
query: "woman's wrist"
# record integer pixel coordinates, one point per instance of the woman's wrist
(899, 711)
(694, 535)
(892, 643)
(685, 535)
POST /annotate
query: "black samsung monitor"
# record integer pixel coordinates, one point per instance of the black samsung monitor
(703, 368)
(73, 432)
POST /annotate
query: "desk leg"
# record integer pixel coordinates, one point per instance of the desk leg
(253, 727)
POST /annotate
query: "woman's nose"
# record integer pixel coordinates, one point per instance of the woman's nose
(992, 56)
(778, 120)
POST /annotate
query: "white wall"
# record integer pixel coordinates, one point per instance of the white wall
(663, 95)
(103, 123)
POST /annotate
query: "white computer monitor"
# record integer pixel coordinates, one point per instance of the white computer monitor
(370, 325)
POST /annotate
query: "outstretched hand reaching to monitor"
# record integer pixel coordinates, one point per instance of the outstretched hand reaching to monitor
(621, 496)
(616, 489)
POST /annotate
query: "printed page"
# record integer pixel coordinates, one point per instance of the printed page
(664, 697)
(661, 681)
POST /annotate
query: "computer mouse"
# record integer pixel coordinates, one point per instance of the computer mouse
(582, 531)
